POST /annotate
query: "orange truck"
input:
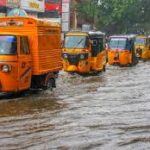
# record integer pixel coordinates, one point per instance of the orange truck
(30, 54)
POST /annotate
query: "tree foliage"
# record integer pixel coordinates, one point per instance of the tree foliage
(116, 16)
(87, 9)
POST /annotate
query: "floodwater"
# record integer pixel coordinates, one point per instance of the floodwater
(110, 111)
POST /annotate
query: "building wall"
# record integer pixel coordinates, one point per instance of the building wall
(2, 2)
(12, 3)
(31, 7)
(34, 5)
(52, 9)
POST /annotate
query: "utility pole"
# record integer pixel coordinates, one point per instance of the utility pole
(75, 19)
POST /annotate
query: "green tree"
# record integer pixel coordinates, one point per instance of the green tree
(88, 9)
(116, 16)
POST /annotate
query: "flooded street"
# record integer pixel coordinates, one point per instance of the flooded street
(103, 112)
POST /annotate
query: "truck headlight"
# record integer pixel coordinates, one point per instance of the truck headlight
(6, 68)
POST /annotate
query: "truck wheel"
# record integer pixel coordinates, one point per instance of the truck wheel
(48, 82)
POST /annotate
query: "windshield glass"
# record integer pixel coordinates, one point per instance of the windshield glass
(118, 43)
(8, 45)
(140, 41)
(75, 42)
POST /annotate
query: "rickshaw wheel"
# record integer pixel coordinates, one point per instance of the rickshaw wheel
(104, 68)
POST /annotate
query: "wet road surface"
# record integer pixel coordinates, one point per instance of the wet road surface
(108, 111)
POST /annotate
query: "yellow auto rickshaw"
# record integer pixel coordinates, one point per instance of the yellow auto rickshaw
(142, 47)
(84, 52)
(121, 50)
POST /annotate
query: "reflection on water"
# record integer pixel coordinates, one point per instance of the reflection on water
(29, 103)
(103, 112)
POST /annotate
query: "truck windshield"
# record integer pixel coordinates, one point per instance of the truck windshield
(140, 41)
(8, 45)
(75, 42)
(118, 43)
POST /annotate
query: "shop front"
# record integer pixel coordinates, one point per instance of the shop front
(12, 6)
(33, 7)
(21, 7)
(2, 8)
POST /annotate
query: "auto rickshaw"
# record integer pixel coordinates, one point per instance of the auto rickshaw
(121, 50)
(142, 47)
(84, 52)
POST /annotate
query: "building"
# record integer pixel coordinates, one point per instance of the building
(53, 10)
(32, 8)
(2, 7)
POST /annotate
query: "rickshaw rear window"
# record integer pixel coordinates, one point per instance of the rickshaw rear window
(8, 45)
(140, 41)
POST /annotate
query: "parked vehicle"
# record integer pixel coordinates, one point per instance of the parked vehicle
(84, 52)
(121, 50)
(30, 53)
(142, 47)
